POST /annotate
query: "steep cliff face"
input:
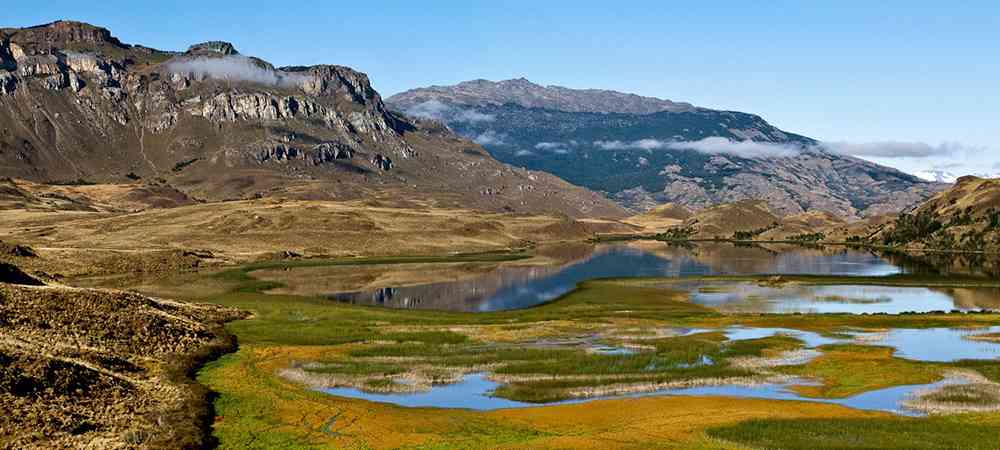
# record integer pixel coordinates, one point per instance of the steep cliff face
(78, 104)
(644, 151)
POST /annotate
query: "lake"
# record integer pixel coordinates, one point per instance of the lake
(484, 287)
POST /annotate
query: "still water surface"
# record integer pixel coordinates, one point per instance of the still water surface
(513, 286)
(474, 392)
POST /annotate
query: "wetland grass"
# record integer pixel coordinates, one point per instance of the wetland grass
(958, 432)
(375, 347)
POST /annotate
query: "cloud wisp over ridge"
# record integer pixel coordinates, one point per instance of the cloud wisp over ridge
(236, 68)
(752, 149)
(490, 137)
(897, 149)
(709, 145)
(444, 113)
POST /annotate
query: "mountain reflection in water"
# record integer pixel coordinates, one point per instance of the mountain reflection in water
(510, 286)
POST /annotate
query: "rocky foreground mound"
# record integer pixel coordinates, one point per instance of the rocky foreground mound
(87, 368)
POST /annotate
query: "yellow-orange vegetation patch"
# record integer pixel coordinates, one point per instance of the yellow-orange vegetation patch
(317, 419)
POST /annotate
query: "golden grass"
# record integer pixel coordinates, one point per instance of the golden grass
(249, 229)
(848, 370)
(282, 414)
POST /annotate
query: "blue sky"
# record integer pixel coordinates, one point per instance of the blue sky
(840, 71)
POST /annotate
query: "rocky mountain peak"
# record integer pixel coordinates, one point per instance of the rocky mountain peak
(518, 83)
(330, 80)
(213, 48)
(63, 32)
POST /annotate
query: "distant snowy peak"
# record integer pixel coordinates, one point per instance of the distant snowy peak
(944, 176)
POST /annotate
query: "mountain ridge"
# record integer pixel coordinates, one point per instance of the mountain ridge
(525, 93)
(696, 157)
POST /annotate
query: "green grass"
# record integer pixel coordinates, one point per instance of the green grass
(849, 369)
(962, 432)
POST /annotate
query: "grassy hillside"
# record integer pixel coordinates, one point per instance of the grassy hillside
(965, 217)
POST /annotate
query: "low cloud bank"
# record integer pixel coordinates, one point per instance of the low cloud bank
(236, 68)
(549, 145)
(896, 149)
(751, 149)
(557, 147)
(710, 145)
(441, 112)
(489, 137)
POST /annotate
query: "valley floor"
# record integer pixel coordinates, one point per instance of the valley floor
(293, 345)
(295, 342)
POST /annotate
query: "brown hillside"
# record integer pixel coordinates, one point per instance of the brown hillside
(809, 225)
(724, 221)
(965, 217)
(661, 217)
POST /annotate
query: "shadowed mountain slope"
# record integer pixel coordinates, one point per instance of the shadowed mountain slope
(644, 151)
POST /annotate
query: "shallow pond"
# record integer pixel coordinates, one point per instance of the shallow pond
(474, 393)
(937, 344)
(931, 344)
(854, 299)
(921, 344)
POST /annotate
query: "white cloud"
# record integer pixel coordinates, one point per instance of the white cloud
(710, 145)
(613, 145)
(235, 68)
(938, 175)
(490, 137)
(743, 149)
(549, 145)
(523, 153)
(441, 112)
(896, 149)
(753, 149)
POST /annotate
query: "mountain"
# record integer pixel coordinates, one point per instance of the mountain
(530, 95)
(78, 106)
(643, 151)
